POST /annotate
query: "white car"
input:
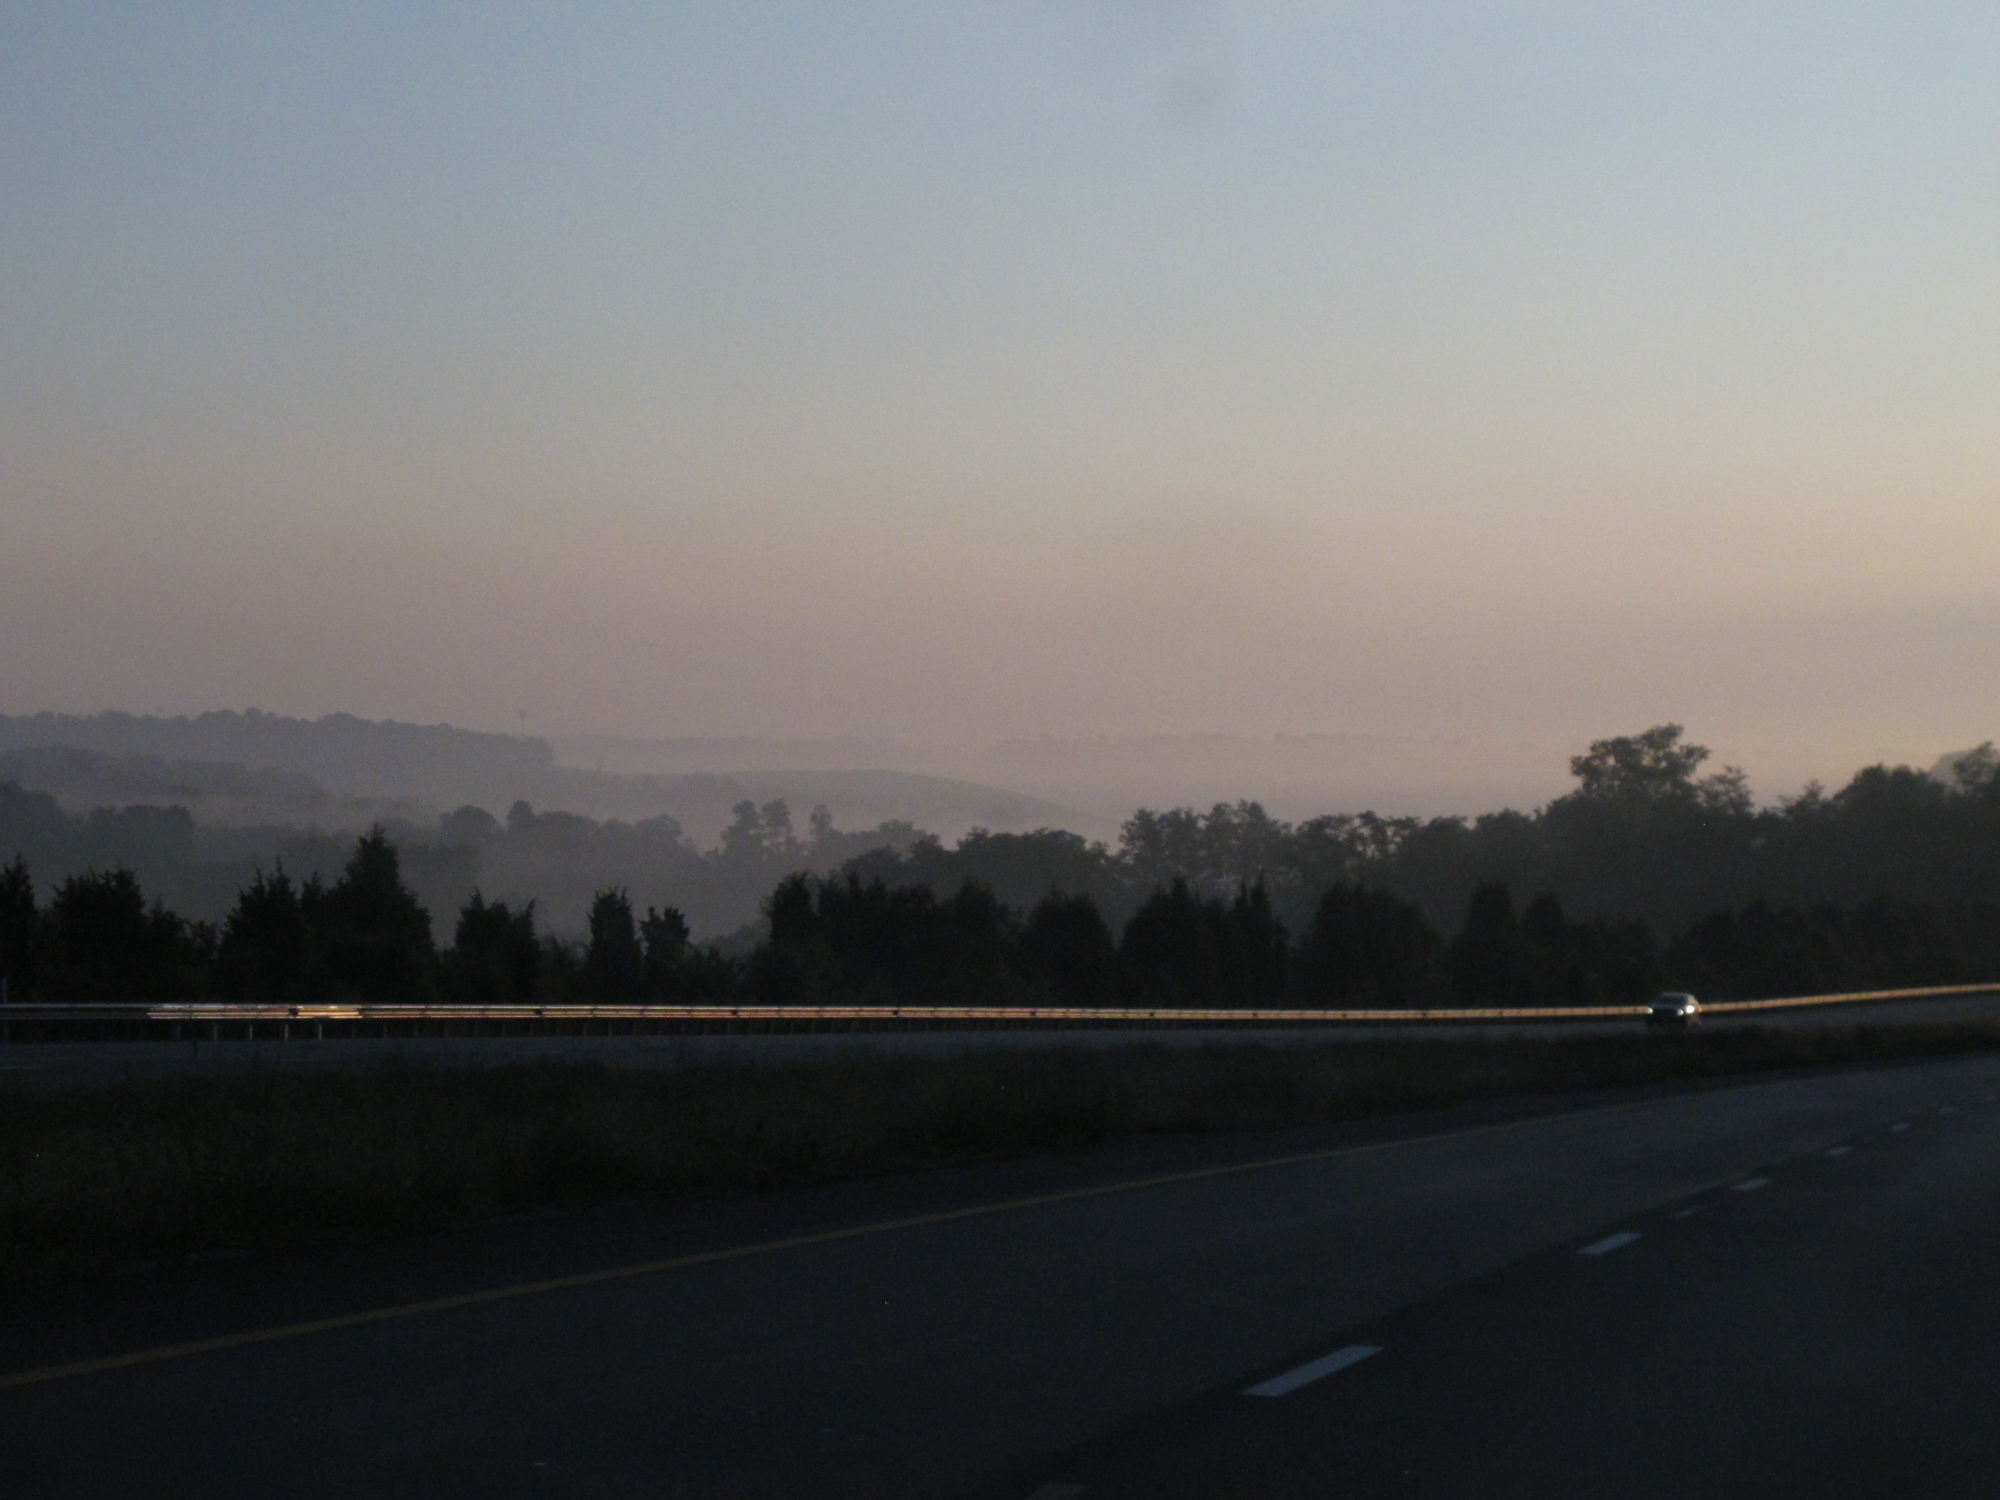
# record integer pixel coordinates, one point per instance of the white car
(1675, 1008)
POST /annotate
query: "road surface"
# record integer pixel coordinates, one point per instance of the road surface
(1761, 1318)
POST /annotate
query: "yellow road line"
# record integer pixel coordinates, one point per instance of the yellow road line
(743, 1252)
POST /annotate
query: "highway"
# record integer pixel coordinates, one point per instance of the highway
(1780, 1287)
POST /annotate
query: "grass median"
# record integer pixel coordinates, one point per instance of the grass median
(94, 1176)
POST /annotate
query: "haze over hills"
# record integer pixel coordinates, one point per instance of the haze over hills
(348, 756)
(342, 772)
(221, 794)
(1100, 779)
(198, 803)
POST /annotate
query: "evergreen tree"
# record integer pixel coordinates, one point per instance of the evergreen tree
(1252, 950)
(794, 965)
(19, 924)
(495, 958)
(1067, 946)
(1166, 956)
(1367, 949)
(377, 934)
(1550, 973)
(664, 936)
(614, 964)
(109, 946)
(1485, 958)
(266, 942)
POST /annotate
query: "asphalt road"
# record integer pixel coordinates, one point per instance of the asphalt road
(1834, 1330)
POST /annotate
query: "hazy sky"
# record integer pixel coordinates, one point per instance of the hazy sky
(969, 371)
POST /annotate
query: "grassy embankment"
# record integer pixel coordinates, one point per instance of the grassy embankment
(93, 1176)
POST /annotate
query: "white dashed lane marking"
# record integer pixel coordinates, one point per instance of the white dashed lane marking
(1900, 1125)
(1319, 1369)
(1840, 1151)
(1684, 1213)
(1609, 1243)
(1751, 1184)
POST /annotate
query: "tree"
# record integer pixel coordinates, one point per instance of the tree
(790, 911)
(793, 965)
(1642, 766)
(1240, 843)
(1657, 767)
(469, 825)
(1157, 848)
(1366, 948)
(1485, 958)
(1550, 976)
(664, 936)
(18, 923)
(614, 963)
(969, 954)
(1067, 945)
(846, 941)
(1166, 955)
(1975, 768)
(110, 946)
(1254, 951)
(267, 940)
(1618, 957)
(1181, 949)
(1019, 868)
(759, 836)
(495, 957)
(1762, 952)
(377, 934)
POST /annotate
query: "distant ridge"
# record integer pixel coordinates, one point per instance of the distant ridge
(434, 763)
(341, 771)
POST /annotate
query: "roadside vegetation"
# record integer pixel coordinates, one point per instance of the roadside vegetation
(94, 1177)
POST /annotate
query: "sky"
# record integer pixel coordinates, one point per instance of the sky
(953, 374)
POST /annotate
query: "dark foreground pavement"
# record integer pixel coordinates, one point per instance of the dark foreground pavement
(1833, 1330)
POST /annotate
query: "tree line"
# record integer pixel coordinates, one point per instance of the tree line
(1647, 833)
(560, 859)
(1650, 872)
(846, 940)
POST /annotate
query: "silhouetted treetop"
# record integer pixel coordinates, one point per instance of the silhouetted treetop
(1652, 765)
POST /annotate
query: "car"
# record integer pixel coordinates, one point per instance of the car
(1675, 1008)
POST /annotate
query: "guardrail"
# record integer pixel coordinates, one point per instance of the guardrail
(189, 1022)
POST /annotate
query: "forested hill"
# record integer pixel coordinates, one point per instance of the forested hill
(1648, 834)
(1648, 874)
(558, 860)
(343, 774)
(433, 763)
